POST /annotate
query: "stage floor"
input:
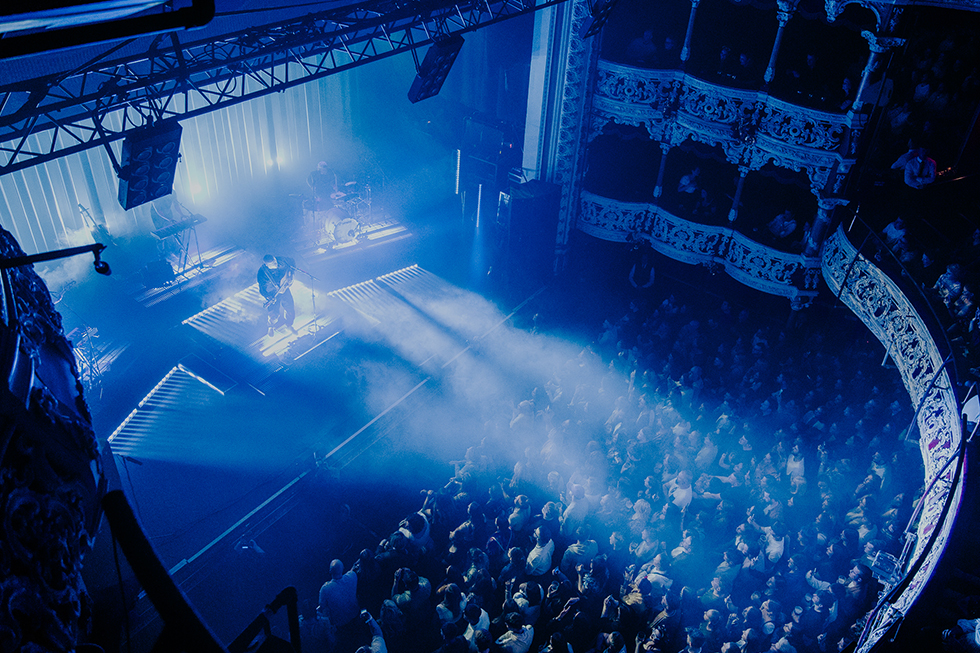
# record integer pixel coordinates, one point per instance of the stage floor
(219, 433)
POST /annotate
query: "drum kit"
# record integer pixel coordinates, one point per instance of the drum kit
(341, 223)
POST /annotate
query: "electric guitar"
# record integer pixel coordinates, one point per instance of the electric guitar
(284, 285)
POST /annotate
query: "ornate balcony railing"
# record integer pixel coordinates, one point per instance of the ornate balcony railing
(755, 265)
(752, 128)
(880, 304)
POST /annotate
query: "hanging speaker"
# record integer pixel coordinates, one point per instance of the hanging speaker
(149, 163)
(435, 67)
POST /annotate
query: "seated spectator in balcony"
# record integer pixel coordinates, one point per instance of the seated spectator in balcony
(845, 94)
(919, 169)
(969, 251)
(783, 225)
(894, 232)
(922, 88)
(642, 50)
(964, 636)
(950, 284)
(807, 79)
(964, 306)
(898, 116)
(689, 182)
(747, 69)
(705, 208)
(669, 54)
(726, 63)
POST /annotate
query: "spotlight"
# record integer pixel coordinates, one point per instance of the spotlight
(101, 266)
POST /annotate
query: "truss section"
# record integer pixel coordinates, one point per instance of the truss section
(49, 117)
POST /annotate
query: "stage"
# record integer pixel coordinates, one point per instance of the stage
(223, 436)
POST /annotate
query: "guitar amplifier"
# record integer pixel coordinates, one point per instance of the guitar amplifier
(157, 274)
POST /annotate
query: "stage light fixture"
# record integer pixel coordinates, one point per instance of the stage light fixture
(101, 266)
(149, 164)
(435, 67)
(597, 18)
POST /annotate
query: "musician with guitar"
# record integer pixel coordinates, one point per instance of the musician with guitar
(275, 276)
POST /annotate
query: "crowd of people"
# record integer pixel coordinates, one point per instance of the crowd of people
(935, 82)
(724, 485)
(946, 276)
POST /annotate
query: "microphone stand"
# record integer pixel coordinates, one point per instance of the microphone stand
(313, 298)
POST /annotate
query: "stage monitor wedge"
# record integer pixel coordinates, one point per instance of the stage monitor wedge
(149, 163)
(435, 67)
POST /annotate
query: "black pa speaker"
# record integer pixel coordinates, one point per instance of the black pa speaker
(149, 164)
(527, 232)
(157, 274)
(435, 67)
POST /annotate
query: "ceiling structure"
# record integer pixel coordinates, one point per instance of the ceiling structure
(129, 85)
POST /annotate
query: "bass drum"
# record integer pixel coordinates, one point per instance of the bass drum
(346, 230)
(331, 218)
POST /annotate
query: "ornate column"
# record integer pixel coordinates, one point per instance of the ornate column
(569, 91)
(783, 14)
(659, 188)
(821, 222)
(742, 171)
(686, 50)
(878, 45)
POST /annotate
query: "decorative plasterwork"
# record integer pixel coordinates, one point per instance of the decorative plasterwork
(51, 480)
(572, 114)
(755, 265)
(751, 127)
(879, 303)
(888, 13)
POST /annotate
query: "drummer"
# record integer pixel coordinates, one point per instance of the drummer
(323, 182)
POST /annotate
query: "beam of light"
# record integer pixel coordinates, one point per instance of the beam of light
(386, 232)
(459, 161)
(479, 202)
(237, 524)
(478, 252)
(201, 379)
(142, 403)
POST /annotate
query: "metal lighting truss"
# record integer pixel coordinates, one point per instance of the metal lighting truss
(49, 117)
